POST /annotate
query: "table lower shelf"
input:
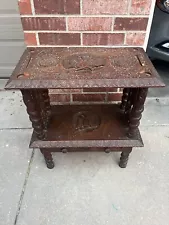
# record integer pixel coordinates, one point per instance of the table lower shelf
(87, 126)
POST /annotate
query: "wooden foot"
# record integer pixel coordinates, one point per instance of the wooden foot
(48, 158)
(124, 159)
(64, 150)
(107, 150)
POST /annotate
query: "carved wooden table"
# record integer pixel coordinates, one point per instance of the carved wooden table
(84, 127)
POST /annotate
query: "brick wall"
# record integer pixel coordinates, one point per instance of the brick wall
(85, 23)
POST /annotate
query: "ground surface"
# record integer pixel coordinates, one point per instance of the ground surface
(83, 188)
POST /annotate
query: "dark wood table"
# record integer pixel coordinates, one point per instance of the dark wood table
(84, 127)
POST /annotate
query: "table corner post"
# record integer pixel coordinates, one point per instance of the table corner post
(29, 98)
(136, 112)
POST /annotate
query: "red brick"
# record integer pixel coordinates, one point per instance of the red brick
(99, 89)
(57, 6)
(59, 39)
(140, 7)
(135, 39)
(130, 23)
(39, 23)
(30, 38)
(25, 7)
(114, 97)
(89, 97)
(112, 7)
(59, 98)
(103, 39)
(64, 91)
(91, 24)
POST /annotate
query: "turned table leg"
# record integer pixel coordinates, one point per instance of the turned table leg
(48, 158)
(45, 107)
(45, 94)
(131, 98)
(129, 95)
(124, 158)
(29, 98)
(136, 112)
(126, 92)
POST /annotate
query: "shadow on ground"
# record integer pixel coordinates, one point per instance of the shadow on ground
(163, 70)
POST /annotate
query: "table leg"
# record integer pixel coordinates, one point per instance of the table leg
(29, 98)
(48, 158)
(131, 98)
(136, 112)
(126, 92)
(44, 104)
(124, 158)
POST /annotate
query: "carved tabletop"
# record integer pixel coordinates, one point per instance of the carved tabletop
(83, 68)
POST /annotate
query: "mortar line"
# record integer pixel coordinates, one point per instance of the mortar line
(87, 46)
(66, 19)
(37, 38)
(81, 39)
(85, 31)
(125, 38)
(129, 7)
(106, 96)
(81, 7)
(113, 22)
(32, 7)
(99, 92)
(71, 98)
(24, 188)
(79, 15)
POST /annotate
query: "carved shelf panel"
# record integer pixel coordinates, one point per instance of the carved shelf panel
(87, 126)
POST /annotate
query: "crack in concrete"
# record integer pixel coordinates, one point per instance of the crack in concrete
(24, 187)
(16, 128)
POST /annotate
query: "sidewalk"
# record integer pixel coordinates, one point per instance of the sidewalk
(83, 188)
